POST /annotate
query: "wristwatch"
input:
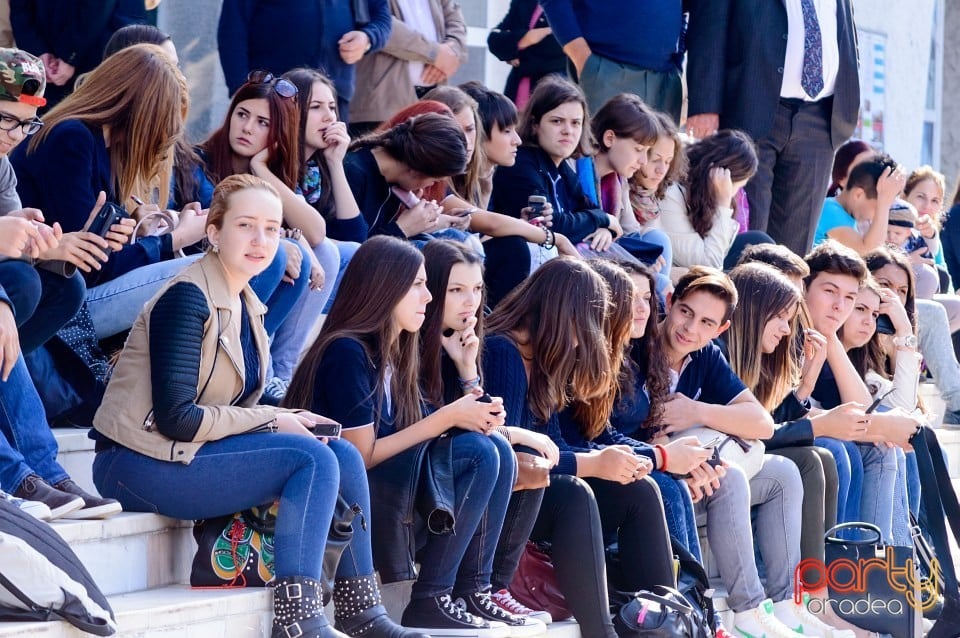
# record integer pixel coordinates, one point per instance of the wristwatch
(906, 341)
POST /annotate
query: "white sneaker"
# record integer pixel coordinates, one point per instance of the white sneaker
(762, 623)
(505, 600)
(804, 622)
(35, 509)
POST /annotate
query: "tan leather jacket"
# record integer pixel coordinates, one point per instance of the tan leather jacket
(126, 414)
(383, 82)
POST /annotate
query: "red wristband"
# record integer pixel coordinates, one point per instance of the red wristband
(663, 454)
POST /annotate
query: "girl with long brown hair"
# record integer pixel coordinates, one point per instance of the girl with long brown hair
(261, 135)
(364, 371)
(542, 351)
(114, 134)
(635, 399)
(698, 213)
(450, 363)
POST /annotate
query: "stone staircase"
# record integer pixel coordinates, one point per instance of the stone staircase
(142, 562)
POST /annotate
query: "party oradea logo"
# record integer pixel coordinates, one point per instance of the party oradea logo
(846, 577)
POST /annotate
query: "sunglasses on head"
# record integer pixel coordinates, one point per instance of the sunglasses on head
(284, 88)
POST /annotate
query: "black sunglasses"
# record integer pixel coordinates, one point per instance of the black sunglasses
(284, 88)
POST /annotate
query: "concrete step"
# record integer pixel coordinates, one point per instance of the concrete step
(173, 612)
(76, 455)
(181, 612)
(131, 551)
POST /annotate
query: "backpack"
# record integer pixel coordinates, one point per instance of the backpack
(42, 579)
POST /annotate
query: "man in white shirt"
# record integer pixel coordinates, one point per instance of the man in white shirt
(786, 73)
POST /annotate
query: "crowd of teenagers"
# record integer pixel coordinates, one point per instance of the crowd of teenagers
(393, 317)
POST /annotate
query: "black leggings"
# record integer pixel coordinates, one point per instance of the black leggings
(574, 517)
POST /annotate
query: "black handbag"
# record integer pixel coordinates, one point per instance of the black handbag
(692, 583)
(661, 613)
(872, 585)
(237, 550)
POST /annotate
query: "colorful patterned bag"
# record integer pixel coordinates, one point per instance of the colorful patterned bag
(235, 550)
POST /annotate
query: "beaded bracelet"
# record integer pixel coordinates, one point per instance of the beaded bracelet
(550, 239)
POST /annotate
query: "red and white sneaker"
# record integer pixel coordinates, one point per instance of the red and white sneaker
(505, 600)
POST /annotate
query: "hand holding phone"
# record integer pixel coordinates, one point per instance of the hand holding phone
(327, 430)
(108, 215)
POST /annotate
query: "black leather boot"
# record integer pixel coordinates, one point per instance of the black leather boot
(359, 611)
(298, 610)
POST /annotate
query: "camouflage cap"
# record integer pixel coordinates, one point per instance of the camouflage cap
(22, 77)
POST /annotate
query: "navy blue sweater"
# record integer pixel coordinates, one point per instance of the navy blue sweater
(504, 376)
(534, 173)
(644, 34)
(63, 177)
(278, 35)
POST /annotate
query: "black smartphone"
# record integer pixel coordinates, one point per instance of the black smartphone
(108, 215)
(885, 325)
(536, 204)
(486, 398)
(876, 402)
(327, 430)
(715, 459)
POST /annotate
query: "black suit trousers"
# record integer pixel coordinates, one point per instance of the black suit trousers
(796, 158)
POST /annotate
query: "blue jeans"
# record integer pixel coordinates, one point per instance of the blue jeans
(245, 470)
(868, 475)
(292, 333)
(678, 508)
(27, 445)
(476, 568)
(483, 471)
(660, 238)
(849, 476)
(278, 296)
(347, 250)
(913, 483)
(42, 301)
(116, 304)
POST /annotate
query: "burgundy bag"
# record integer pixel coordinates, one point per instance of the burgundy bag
(535, 584)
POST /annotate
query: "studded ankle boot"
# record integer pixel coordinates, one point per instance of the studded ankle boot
(298, 610)
(360, 612)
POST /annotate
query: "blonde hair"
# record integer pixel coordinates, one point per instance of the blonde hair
(141, 95)
(220, 203)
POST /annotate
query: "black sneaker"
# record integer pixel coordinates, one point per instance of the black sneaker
(93, 506)
(439, 617)
(34, 488)
(480, 604)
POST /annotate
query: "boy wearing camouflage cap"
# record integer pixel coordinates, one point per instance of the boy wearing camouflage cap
(40, 303)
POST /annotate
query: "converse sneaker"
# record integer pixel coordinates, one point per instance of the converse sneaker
(479, 603)
(439, 617)
(762, 623)
(34, 488)
(802, 621)
(93, 506)
(35, 509)
(505, 600)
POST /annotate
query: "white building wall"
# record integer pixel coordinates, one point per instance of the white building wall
(908, 29)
